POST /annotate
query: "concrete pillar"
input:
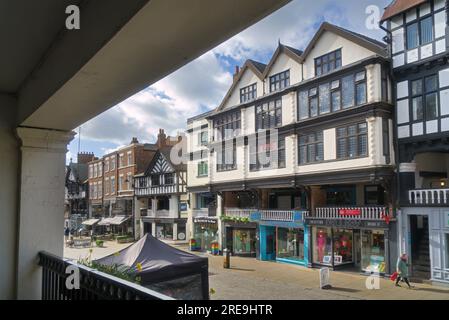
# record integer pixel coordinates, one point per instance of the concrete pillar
(219, 214)
(175, 231)
(41, 218)
(153, 229)
(9, 172)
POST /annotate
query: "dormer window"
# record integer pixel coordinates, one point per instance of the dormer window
(248, 93)
(327, 63)
(280, 81)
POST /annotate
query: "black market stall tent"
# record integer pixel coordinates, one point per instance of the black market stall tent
(165, 269)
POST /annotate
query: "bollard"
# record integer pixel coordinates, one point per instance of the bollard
(227, 259)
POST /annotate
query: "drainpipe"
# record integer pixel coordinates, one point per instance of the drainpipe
(396, 203)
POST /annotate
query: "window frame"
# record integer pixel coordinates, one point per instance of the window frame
(273, 105)
(332, 58)
(248, 93)
(226, 121)
(418, 22)
(423, 96)
(223, 167)
(347, 136)
(281, 154)
(279, 81)
(202, 168)
(311, 94)
(314, 144)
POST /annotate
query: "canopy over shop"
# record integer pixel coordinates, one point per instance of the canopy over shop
(165, 269)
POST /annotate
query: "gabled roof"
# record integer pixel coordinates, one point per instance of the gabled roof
(399, 6)
(293, 53)
(162, 160)
(360, 39)
(256, 67)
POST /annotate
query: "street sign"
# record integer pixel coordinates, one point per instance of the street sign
(325, 278)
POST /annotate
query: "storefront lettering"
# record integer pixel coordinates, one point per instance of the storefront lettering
(349, 212)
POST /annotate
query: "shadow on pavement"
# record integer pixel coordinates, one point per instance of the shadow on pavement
(241, 269)
(343, 289)
(432, 290)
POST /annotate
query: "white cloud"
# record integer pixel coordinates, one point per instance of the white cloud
(202, 84)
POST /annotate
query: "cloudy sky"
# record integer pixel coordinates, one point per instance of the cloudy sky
(202, 84)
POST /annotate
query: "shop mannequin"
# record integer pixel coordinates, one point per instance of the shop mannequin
(321, 243)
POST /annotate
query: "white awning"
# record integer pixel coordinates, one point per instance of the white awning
(105, 222)
(118, 220)
(90, 222)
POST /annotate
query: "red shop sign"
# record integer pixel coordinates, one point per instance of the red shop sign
(349, 212)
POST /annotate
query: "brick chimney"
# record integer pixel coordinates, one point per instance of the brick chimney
(85, 157)
(161, 139)
(236, 73)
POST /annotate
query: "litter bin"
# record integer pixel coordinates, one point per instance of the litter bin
(227, 259)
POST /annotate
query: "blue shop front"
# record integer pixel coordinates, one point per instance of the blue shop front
(283, 241)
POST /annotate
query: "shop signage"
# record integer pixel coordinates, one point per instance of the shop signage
(183, 206)
(347, 223)
(204, 220)
(349, 212)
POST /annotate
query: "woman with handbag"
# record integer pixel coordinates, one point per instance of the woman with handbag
(402, 270)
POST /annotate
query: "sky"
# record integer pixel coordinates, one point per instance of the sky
(201, 85)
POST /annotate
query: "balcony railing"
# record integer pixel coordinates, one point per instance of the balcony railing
(352, 213)
(240, 213)
(429, 196)
(277, 215)
(93, 284)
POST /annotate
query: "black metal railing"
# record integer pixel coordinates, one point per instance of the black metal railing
(93, 284)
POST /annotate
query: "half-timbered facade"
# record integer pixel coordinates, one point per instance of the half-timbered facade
(302, 147)
(162, 197)
(418, 34)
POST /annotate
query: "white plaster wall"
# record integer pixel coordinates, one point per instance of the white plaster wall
(284, 63)
(192, 137)
(247, 79)
(9, 171)
(329, 42)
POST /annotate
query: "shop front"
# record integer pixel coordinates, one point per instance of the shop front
(361, 245)
(205, 233)
(240, 238)
(284, 241)
(165, 229)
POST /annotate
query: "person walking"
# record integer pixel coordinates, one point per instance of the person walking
(402, 270)
(66, 234)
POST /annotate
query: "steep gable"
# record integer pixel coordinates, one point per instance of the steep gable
(160, 165)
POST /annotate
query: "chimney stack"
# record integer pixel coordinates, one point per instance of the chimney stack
(161, 138)
(236, 72)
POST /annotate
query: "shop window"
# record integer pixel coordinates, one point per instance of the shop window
(342, 246)
(204, 234)
(243, 241)
(373, 251)
(164, 231)
(322, 246)
(290, 243)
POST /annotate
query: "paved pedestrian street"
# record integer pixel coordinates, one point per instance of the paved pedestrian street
(250, 279)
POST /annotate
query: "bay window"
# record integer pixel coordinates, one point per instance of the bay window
(344, 93)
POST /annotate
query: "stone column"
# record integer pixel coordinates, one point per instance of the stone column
(41, 213)
(175, 231)
(137, 207)
(219, 214)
